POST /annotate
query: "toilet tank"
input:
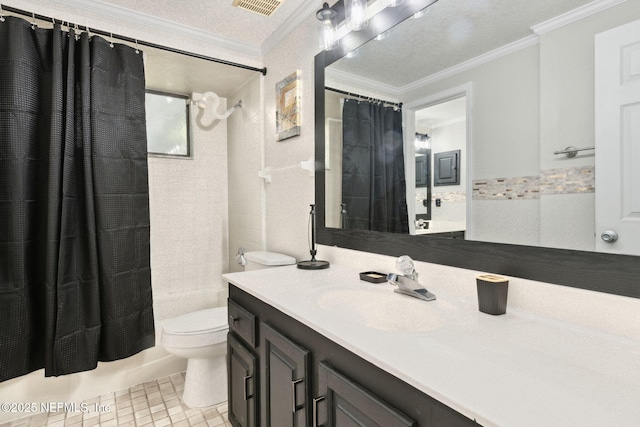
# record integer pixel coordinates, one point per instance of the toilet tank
(260, 259)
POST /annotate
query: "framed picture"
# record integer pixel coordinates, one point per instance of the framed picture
(288, 107)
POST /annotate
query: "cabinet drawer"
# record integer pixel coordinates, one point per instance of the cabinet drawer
(242, 322)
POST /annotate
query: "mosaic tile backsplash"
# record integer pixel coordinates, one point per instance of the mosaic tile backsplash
(551, 181)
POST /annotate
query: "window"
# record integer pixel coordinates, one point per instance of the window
(168, 124)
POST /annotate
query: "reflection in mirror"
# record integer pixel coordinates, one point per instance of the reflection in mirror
(525, 74)
(372, 194)
(440, 199)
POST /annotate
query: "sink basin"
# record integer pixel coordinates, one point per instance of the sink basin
(380, 309)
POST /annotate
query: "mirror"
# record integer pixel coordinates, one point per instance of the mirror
(527, 95)
(510, 187)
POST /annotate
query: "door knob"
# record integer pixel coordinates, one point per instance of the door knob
(609, 236)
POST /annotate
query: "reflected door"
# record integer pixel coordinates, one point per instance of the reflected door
(617, 110)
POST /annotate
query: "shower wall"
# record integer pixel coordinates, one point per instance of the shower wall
(245, 159)
(189, 224)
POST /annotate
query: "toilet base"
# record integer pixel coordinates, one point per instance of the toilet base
(205, 382)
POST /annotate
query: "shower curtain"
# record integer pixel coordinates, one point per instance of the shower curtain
(75, 280)
(373, 177)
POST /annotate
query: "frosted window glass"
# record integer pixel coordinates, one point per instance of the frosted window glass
(168, 124)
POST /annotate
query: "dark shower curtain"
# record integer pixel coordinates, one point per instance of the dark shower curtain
(373, 178)
(75, 280)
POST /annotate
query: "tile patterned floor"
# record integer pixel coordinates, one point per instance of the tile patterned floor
(155, 403)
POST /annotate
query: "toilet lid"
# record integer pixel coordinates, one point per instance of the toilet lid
(209, 320)
(269, 258)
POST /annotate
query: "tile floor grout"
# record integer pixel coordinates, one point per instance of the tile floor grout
(155, 403)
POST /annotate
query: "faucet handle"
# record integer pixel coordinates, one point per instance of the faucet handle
(405, 265)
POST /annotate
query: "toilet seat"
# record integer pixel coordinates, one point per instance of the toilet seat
(196, 329)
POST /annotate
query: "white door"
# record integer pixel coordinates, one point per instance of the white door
(617, 139)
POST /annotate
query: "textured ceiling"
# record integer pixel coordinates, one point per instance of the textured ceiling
(219, 17)
(175, 73)
(452, 32)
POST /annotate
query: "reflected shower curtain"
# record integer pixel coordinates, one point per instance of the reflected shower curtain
(75, 281)
(373, 177)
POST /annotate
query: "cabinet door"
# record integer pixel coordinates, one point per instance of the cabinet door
(241, 366)
(447, 168)
(284, 367)
(421, 171)
(349, 405)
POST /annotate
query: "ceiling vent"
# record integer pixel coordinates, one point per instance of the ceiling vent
(261, 7)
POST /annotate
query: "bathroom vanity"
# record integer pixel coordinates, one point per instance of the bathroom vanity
(323, 348)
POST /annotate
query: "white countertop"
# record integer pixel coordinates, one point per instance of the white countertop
(511, 370)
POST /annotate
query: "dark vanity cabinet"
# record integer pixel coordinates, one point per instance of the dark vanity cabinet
(298, 377)
(284, 375)
(242, 369)
(348, 404)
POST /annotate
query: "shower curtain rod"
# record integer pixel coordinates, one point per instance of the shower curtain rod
(368, 98)
(6, 8)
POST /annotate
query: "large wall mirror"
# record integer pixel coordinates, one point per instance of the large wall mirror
(489, 94)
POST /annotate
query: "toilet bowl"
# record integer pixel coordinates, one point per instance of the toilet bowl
(200, 337)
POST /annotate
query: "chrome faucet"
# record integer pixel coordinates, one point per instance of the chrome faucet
(407, 282)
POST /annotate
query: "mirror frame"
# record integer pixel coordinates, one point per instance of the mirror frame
(602, 272)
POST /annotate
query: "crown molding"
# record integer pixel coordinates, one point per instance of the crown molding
(362, 83)
(510, 48)
(140, 19)
(298, 17)
(396, 91)
(574, 15)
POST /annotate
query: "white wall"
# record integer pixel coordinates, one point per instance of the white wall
(291, 191)
(453, 208)
(246, 158)
(189, 223)
(505, 121)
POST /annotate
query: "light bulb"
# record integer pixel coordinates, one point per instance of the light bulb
(356, 14)
(327, 27)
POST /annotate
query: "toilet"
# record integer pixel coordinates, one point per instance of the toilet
(201, 337)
